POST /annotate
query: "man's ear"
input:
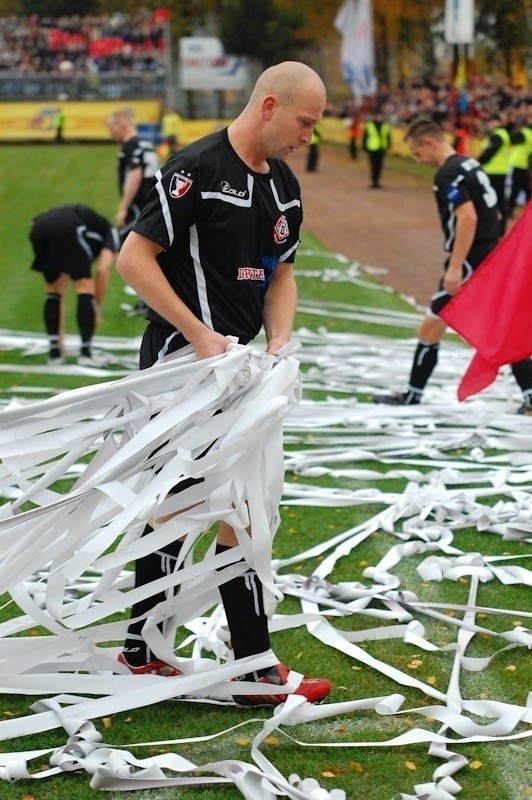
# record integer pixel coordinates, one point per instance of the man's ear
(268, 106)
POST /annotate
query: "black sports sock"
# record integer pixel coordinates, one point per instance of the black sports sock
(86, 318)
(242, 598)
(522, 372)
(148, 568)
(423, 365)
(52, 316)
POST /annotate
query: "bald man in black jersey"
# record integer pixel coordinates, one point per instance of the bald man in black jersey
(212, 256)
(467, 205)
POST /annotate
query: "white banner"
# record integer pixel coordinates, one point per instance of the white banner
(459, 21)
(204, 65)
(354, 23)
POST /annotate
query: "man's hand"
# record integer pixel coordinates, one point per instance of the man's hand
(209, 344)
(274, 345)
(452, 279)
(120, 218)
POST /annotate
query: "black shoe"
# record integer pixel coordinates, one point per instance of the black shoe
(525, 410)
(397, 399)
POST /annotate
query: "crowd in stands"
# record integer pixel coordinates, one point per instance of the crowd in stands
(131, 43)
(468, 107)
(80, 45)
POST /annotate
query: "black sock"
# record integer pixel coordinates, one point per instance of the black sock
(147, 568)
(52, 315)
(522, 372)
(242, 598)
(86, 318)
(423, 365)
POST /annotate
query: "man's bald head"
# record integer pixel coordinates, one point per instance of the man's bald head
(287, 81)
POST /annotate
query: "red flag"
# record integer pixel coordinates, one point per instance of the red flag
(492, 311)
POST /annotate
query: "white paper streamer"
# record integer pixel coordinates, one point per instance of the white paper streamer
(455, 461)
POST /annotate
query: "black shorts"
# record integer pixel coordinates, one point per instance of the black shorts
(158, 341)
(475, 257)
(59, 252)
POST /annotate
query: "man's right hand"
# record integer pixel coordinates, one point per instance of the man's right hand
(209, 344)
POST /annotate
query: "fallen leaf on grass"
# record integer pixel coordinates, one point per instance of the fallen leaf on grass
(243, 741)
(107, 722)
(272, 741)
(476, 765)
(511, 668)
(410, 765)
(356, 767)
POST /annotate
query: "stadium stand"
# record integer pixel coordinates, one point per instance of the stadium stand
(114, 57)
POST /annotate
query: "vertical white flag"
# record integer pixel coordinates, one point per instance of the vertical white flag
(459, 21)
(354, 23)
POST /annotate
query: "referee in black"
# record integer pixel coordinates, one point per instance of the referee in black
(211, 254)
(66, 241)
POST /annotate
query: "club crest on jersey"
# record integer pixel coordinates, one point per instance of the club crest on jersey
(179, 185)
(280, 230)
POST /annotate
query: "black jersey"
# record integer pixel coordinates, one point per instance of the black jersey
(224, 229)
(133, 154)
(459, 180)
(68, 239)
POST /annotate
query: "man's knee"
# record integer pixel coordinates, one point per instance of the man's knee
(431, 330)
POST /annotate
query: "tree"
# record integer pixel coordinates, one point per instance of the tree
(505, 27)
(262, 29)
(58, 8)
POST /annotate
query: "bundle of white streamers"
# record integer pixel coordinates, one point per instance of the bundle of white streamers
(125, 443)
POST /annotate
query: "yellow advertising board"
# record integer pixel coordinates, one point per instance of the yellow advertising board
(30, 121)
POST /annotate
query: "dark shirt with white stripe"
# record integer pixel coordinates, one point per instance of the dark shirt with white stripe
(459, 180)
(68, 238)
(137, 153)
(224, 229)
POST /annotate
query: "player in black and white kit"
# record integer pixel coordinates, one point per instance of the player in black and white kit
(212, 255)
(467, 205)
(137, 165)
(66, 240)
(201, 199)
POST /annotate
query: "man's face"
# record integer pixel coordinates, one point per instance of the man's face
(423, 150)
(291, 125)
(115, 127)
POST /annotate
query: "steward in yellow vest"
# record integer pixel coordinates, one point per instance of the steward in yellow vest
(521, 161)
(376, 141)
(495, 161)
(313, 150)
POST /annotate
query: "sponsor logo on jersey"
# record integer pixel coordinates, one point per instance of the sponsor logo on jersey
(179, 185)
(250, 274)
(228, 189)
(452, 194)
(280, 230)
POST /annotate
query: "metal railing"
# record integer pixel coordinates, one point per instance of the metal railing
(100, 86)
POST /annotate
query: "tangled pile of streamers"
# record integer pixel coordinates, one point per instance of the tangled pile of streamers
(120, 445)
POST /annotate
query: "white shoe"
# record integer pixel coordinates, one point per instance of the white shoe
(93, 361)
(56, 361)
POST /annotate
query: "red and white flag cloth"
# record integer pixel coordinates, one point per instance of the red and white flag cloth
(493, 309)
